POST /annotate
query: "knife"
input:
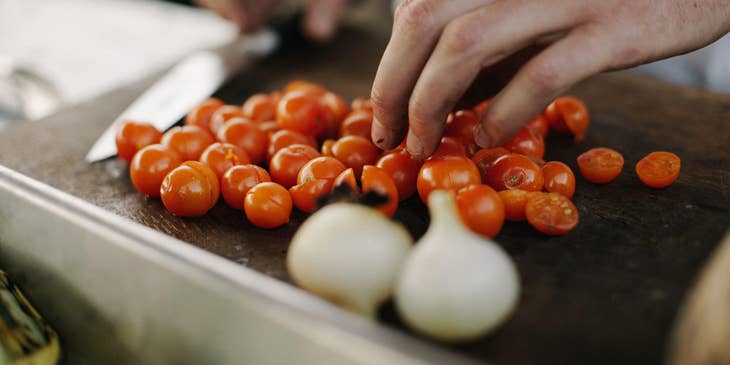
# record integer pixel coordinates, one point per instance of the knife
(186, 85)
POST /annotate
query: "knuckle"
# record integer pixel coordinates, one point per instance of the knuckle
(460, 37)
(414, 16)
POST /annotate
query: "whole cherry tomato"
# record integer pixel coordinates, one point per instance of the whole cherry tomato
(300, 111)
(247, 135)
(149, 167)
(403, 169)
(658, 169)
(485, 157)
(460, 125)
(568, 114)
(320, 168)
(357, 123)
(286, 163)
(539, 125)
(133, 136)
(334, 109)
(526, 143)
(268, 205)
(189, 141)
(446, 173)
(481, 107)
(306, 194)
(306, 86)
(203, 113)
(481, 209)
(551, 213)
(600, 165)
(514, 203)
(190, 190)
(259, 108)
(222, 115)
(222, 156)
(514, 171)
(362, 104)
(284, 138)
(269, 127)
(346, 177)
(377, 180)
(327, 147)
(559, 178)
(238, 180)
(450, 146)
(355, 152)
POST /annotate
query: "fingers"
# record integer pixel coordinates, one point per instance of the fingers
(322, 18)
(583, 52)
(416, 29)
(246, 14)
(474, 41)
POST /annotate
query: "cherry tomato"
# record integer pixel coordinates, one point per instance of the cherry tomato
(481, 209)
(377, 180)
(568, 114)
(259, 108)
(149, 167)
(238, 180)
(307, 86)
(526, 143)
(324, 168)
(286, 163)
(446, 173)
(481, 107)
(269, 127)
(355, 152)
(268, 205)
(449, 146)
(485, 157)
(600, 165)
(189, 141)
(357, 123)
(190, 190)
(551, 213)
(305, 195)
(539, 126)
(222, 115)
(284, 138)
(559, 178)
(222, 156)
(460, 125)
(203, 113)
(133, 136)
(403, 169)
(514, 171)
(247, 135)
(334, 109)
(327, 147)
(362, 104)
(514, 203)
(346, 177)
(658, 169)
(300, 111)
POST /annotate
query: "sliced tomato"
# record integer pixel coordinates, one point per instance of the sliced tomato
(551, 213)
(658, 169)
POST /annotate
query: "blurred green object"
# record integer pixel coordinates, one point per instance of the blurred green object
(25, 338)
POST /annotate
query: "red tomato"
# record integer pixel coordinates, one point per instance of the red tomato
(658, 169)
(481, 107)
(346, 177)
(327, 147)
(300, 111)
(449, 146)
(190, 190)
(238, 180)
(600, 165)
(355, 152)
(247, 135)
(222, 115)
(362, 104)
(222, 156)
(446, 173)
(268, 205)
(334, 109)
(526, 143)
(377, 180)
(286, 163)
(485, 157)
(149, 167)
(559, 178)
(306, 195)
(551, 213)
(357, 123)
(203, 113)
(514, 171)
(403, 169)
(306, 86)
(284, 138)
(269, 127)
(514, 203)
(320, 168)
(568, 114)
(189, 141)
(539, 125)
(133, 136)
(460, 125)
(481, 209)
(259, 108)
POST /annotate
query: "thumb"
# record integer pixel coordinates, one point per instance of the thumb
(322, 18)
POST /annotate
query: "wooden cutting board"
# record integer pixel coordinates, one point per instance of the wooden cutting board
(606, 293)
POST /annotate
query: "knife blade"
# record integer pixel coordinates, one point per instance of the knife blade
(186, 85)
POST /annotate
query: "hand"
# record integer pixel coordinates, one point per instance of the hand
(438, 48)
(320, 22)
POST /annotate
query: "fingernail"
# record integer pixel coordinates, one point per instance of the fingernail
(481, 137)
(378, 134)
(414, 146)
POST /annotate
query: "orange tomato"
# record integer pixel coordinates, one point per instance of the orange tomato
(334, 109)
(658, 169)
(268, 205)
(222, 115)
(300, 111)
(306, 194)
(446, 173)
(149, 167)
(449, 146)
(559, 178)
(514, 204)
(357, 123)
(539, 125)
(203, 113)
(269, 127)
(362, 104)
(259, 108)
(377, 180)
(133, 136)
(284, 138)
(238, 180)
(245, 134)
(306, 86)
(481, 209)
(403, 169)
(514, 171)
(568, 114)
(485, 157)
(326, 149)
(190, 190)
(286, 163)
(527, 143)
(460, 125)
(551, 213)
(189, 141)
(355, 152)
(346, 177)
(320, 168)
(222, 156)
(600, 165)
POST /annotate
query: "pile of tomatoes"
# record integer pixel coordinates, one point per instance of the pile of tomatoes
(292, 147)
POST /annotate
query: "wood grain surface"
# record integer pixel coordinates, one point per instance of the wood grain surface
(606, 293)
